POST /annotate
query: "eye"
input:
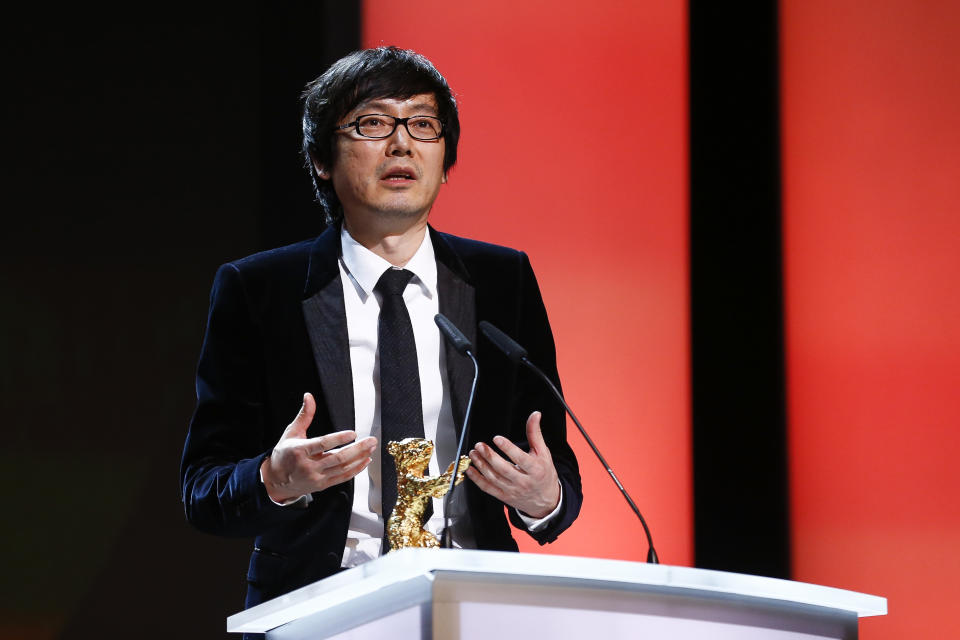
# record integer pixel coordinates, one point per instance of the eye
(425, 125)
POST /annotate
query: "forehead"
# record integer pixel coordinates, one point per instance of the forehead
(422, 103)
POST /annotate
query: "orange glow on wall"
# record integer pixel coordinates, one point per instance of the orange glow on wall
(593, 186)
(871, 148)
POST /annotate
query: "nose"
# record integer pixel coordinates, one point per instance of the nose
(400, 142)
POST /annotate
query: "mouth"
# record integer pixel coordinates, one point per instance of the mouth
(399, 175)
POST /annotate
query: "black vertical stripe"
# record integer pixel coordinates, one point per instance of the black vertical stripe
(739, 419)
(298, 41)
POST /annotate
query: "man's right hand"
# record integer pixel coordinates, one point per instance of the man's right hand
(300, 465)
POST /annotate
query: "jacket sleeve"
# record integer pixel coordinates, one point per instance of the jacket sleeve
(535, 335)
(228, 440)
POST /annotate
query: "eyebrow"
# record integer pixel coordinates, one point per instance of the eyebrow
(418, 108)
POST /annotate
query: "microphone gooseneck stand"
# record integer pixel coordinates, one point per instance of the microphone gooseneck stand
(462, 346)
(518, 355)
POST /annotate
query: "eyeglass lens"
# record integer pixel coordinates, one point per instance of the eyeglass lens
(382, 126)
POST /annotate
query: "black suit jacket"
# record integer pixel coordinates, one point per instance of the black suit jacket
(277, 328)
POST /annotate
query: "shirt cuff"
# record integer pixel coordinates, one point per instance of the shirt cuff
(302, 501)
(536, 524)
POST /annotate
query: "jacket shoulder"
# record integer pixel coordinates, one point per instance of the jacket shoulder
(293, 257)
(482, 263)
(266, 278)
(467, 248)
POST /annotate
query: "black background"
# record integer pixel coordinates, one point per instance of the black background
(141, 151)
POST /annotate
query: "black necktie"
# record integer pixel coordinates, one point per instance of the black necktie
(401, 408)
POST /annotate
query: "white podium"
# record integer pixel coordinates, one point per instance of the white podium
(486, 595)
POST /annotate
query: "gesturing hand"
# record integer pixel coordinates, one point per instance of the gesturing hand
(300, 465)
(529, 484)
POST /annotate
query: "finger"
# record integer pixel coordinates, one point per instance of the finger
(323, 481)
(349, 471)
(494, 461)
(298, 428)
(535, 435)
(484, 484)
(485, 466)
(345, 455)
(316, 446)
(517, 455)
(332, 462)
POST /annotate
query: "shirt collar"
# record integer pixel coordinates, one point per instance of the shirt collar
(365, 267)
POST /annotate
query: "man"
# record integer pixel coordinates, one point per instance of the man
(310, 333)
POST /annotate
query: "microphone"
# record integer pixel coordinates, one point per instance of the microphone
(461, 345)
(518, 356)
(453, 335)
(505, 343)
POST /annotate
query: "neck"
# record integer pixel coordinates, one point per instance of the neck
(395, 245)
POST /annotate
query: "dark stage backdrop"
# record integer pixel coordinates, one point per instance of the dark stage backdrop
(141, 150)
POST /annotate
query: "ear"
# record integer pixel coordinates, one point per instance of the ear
(322, 171)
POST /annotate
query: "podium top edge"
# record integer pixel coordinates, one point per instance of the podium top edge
(421, 564)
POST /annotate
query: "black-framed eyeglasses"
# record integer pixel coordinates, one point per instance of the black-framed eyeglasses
(380, 125)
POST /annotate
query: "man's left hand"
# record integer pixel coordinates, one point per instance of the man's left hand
(528, 482)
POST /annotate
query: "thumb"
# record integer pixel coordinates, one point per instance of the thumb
(298, 428)
(535, 436)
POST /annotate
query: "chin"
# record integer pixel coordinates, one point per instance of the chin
(400, 211)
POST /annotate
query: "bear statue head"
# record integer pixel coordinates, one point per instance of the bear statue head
(411, 454)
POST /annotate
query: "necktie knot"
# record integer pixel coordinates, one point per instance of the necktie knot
(393, 281)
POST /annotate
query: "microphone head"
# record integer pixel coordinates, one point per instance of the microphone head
(453, 335)
(502, 341)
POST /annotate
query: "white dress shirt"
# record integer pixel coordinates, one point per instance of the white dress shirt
(360, 269)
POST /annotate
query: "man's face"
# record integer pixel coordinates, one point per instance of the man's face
(397, 177)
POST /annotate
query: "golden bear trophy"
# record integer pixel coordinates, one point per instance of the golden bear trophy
(412, 457)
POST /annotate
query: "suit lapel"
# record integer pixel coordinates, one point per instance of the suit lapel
(326, 321)
(458, 303)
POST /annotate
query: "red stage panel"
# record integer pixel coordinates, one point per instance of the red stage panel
(593, 186)
(871, 100)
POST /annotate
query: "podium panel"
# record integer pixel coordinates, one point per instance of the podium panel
(469, 595)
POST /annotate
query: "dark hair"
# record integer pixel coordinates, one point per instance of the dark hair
(384, 72)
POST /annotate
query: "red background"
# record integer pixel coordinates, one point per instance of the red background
(593, 186)
(871, 156)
